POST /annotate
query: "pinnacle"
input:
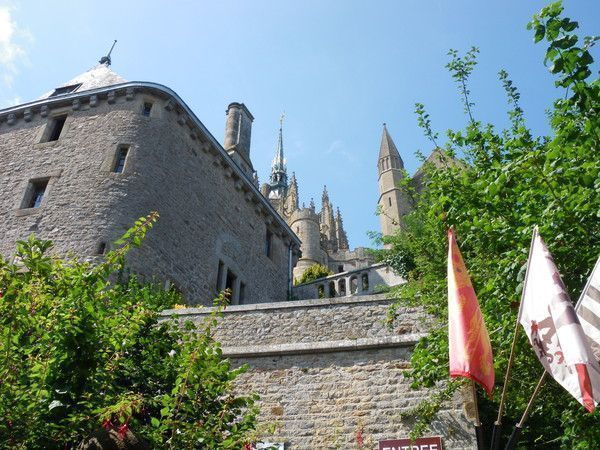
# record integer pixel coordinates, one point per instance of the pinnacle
(387, 147)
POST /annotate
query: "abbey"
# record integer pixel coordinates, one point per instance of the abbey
(324, 240)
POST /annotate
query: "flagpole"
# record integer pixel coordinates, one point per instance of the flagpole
(514, 437)
(478, 427)
(497, 430)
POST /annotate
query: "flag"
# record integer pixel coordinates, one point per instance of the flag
(550, 321)
(588, 310)
(470, 348)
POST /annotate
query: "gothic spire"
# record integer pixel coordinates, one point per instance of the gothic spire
(388, 149)
(278, 179)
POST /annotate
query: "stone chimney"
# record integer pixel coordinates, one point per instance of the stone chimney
(238, 129)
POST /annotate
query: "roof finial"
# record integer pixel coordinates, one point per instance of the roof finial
(106, 59)
(281, 119)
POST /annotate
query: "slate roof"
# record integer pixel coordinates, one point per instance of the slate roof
(98, 76)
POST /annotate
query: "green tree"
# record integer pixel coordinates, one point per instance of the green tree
(501, 185)
(314, 272)
(79, 352)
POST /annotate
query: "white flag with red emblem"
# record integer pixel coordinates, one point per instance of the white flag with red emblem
(554, 330)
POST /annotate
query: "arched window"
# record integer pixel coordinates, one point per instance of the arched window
(342, 287)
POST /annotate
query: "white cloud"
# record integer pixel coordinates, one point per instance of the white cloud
(12, 53)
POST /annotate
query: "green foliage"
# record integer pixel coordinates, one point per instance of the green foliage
(313, 273)
(502, 185)
(78, 351)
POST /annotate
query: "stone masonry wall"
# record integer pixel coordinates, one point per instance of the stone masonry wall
(206, 213)
(330, 368)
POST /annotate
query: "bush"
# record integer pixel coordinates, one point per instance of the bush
(79, 352)
(313, 273)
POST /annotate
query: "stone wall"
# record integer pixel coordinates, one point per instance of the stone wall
(327, 369)
(209, 213)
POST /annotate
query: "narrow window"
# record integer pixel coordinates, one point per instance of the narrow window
(101, 250)
(297, 229)
(390, 201)
(54, 129)
(230, 283)
(120, 159)
(147, 108)
(220, 275)
(269, 244)
(36, 191)
(242, 293)
(340, 269)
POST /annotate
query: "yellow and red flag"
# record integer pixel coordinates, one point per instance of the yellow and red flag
(470, 348)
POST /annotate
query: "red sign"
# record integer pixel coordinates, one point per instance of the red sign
(428, 443)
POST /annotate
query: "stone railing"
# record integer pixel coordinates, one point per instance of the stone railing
(367, 280)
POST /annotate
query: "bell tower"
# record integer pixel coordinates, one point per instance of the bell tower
(392, 201)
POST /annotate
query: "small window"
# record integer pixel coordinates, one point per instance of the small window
(390, 201)
(36, 191)
(230, 283)
(220, 275)
(54, 129)
(120, 159)
(297, 229)
(65, 90)
(101, 250)
(269, 244)
(146, 109)
(340, 269)
(242, 293)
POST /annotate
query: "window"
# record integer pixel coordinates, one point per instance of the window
(65, 90)
(340, 269)
(390, 201)
(220, 275)
(269, 244)
(35, 193)
(242, 293)
(120, 159)
(101, 250)
(230, 283)
(146, 109)
(54, 129)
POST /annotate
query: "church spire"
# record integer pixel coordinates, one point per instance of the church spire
(389, 157)
(278, 180)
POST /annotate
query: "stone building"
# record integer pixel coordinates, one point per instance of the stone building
(324, 240)
(82, 163)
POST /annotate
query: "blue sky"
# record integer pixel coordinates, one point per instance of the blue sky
(338, 68)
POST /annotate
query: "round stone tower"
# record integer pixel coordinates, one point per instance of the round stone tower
(305, 223)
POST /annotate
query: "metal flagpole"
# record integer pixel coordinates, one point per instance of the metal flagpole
(497, 430)
(478, 427)
(514, 437)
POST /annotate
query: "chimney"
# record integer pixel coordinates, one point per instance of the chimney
(238, 129)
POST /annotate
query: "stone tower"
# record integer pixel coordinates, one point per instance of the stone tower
(392, 203)
(238, 130)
